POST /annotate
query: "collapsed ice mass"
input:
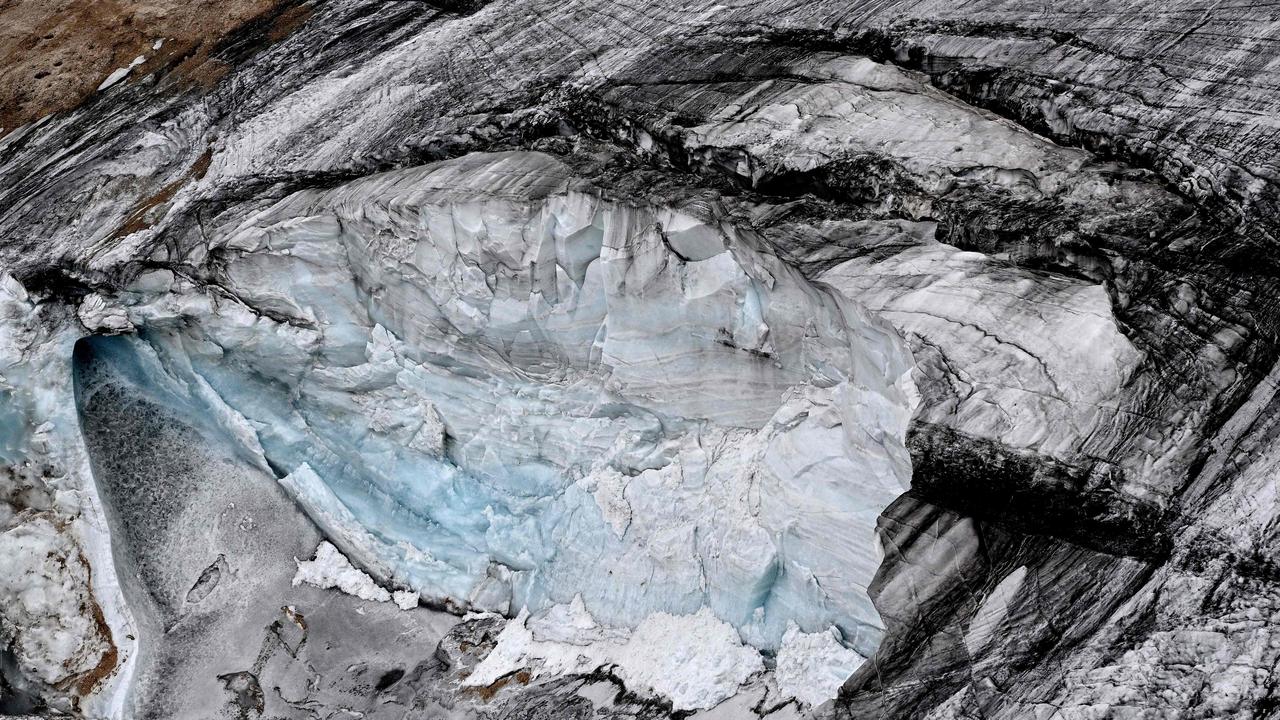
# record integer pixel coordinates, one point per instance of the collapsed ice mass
(502, 391)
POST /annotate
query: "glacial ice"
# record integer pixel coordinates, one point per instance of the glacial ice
(330, 569)
(696, 661)
(505, 391)
(1038, 361)
(811, 667)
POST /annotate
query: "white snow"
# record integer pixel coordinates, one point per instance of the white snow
(405, 599)
(118, 74)
(695, 661)
(331, 569)
(811, 667)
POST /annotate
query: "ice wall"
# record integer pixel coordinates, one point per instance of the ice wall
(498, 388)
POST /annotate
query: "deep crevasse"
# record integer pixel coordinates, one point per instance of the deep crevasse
(504, 392)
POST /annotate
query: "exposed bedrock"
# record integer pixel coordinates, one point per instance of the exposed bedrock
(741, 225)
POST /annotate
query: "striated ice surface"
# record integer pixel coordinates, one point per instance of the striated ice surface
(502, 390)
(993, 611)
(1038, 361)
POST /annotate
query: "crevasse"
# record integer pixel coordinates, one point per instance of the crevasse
(491, 385)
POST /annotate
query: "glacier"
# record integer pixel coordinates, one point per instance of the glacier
(492, 384)
(695, 661)
(550, 322)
